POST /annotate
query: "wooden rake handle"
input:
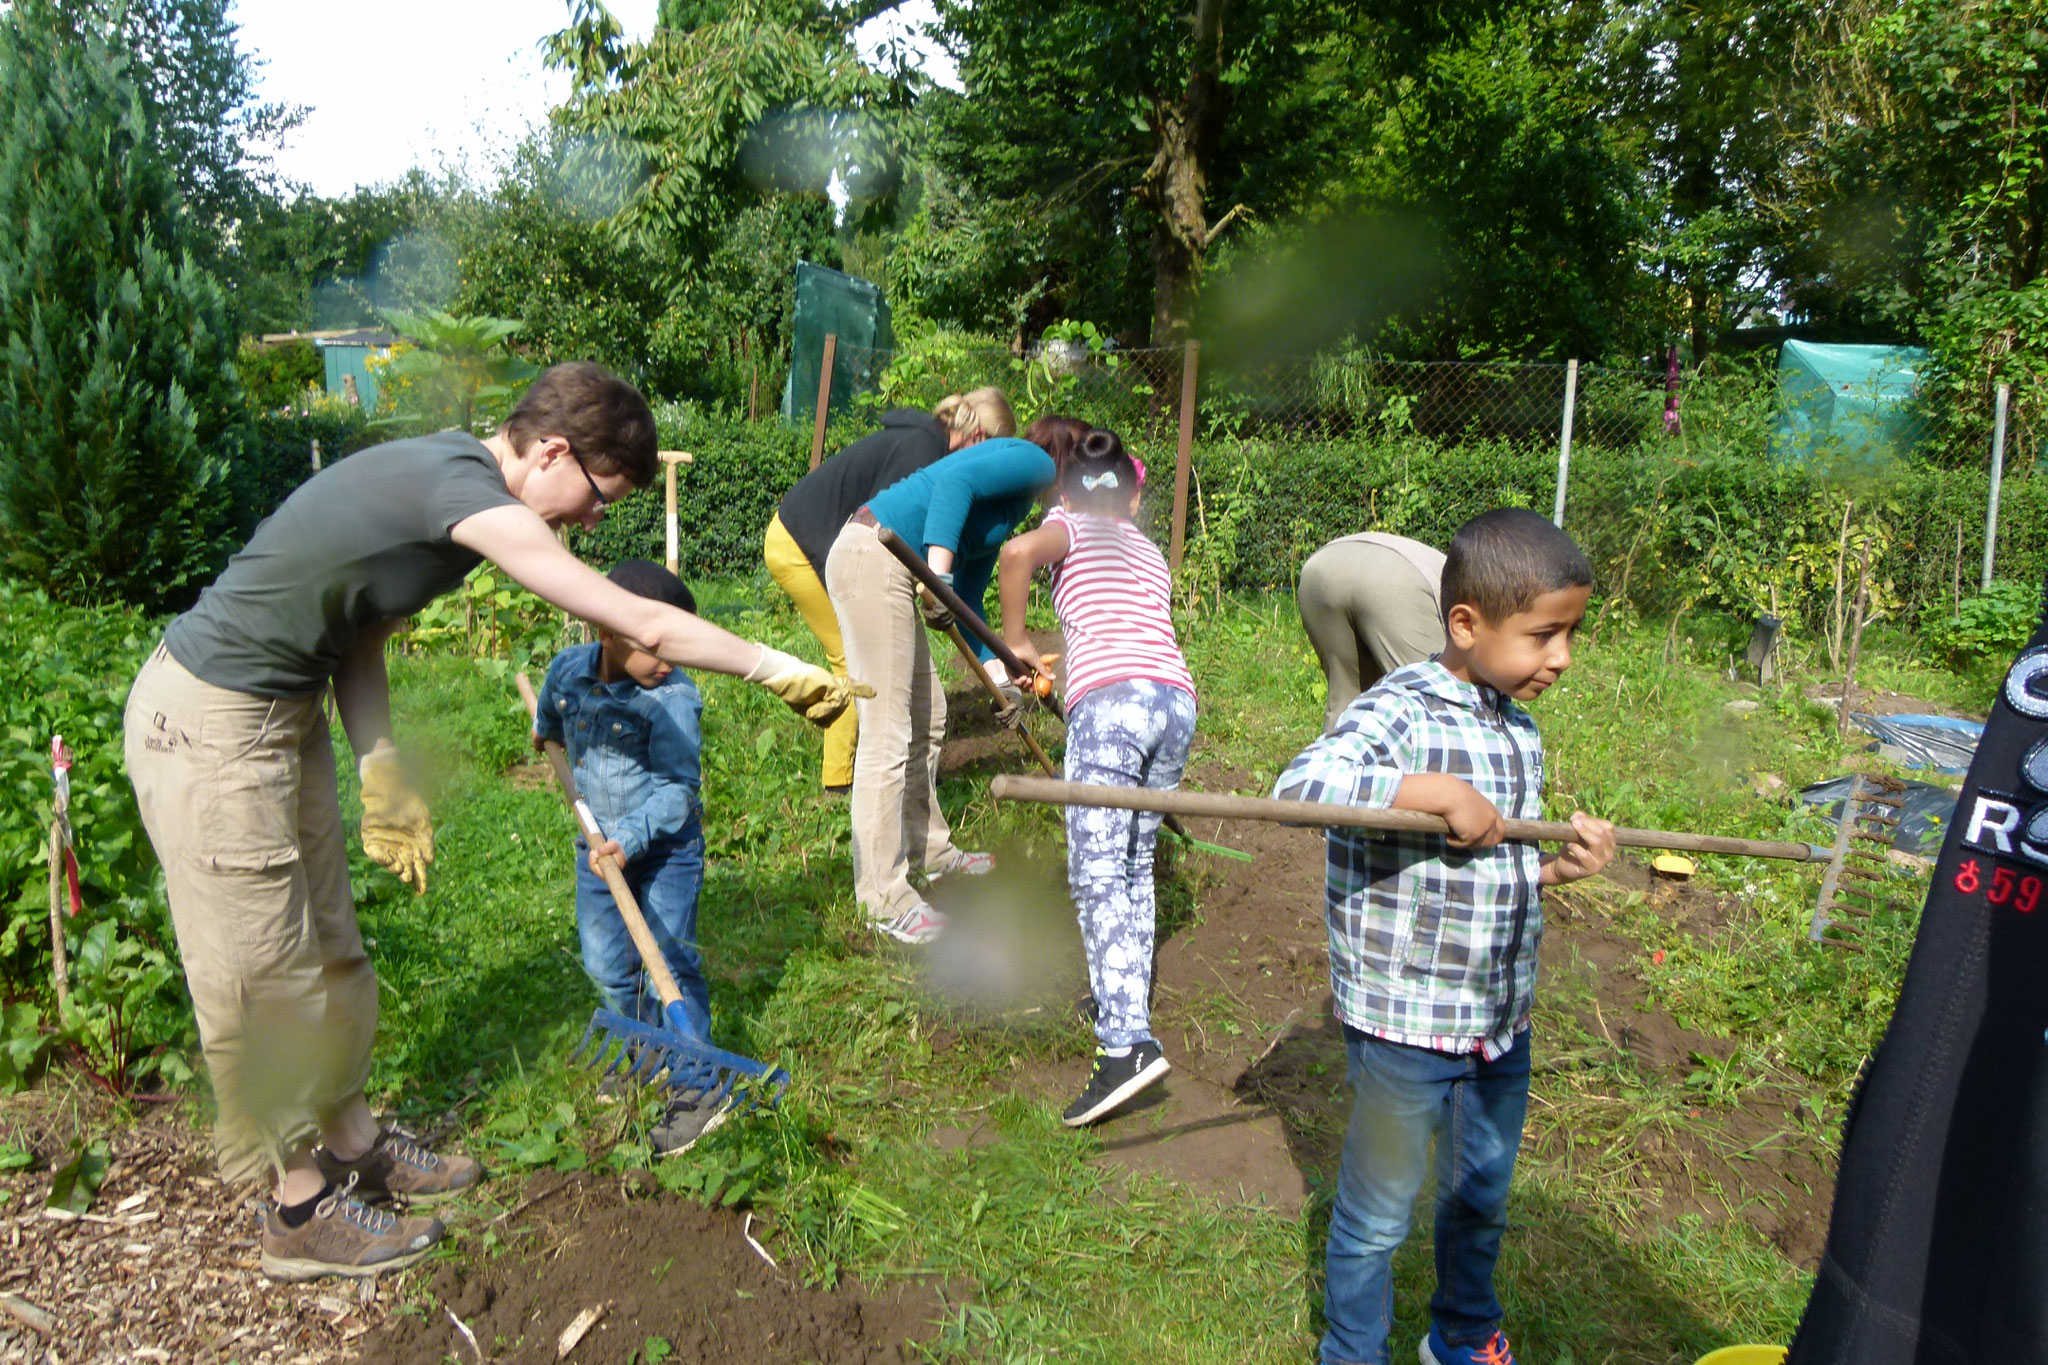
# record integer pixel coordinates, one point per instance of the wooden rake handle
(952, 601)
(608, 867)
(1045, 791)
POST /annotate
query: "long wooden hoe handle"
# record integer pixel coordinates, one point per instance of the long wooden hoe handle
(1045, 791)
(952, 601)
(608, 867)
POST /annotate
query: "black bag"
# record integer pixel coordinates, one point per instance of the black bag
(1938, 1247)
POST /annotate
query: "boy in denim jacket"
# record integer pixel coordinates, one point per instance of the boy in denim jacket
(631, 726)
(1433, 938)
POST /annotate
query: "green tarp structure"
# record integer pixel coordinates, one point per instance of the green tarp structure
(1847, 400)
(853, 309)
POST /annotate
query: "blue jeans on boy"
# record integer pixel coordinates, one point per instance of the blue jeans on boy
(665, 880)
(1403, 1095)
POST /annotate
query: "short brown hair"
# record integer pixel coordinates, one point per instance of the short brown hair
(1503, 560)
(603, 418)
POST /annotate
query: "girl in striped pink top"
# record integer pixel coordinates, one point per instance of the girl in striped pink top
(1130, 722)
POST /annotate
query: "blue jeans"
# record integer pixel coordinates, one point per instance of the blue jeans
(1402, 1096)
(665, 880)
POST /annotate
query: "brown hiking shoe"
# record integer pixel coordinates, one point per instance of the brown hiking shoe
(396, 1165)
(344, 1237)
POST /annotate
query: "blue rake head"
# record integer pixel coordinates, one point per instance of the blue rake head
(614, 1045)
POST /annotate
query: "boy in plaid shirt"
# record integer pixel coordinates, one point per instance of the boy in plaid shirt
(1433, 938)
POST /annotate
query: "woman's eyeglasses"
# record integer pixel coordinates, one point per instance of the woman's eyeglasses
(595, 492)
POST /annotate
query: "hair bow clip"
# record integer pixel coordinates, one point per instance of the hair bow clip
(1091, 482)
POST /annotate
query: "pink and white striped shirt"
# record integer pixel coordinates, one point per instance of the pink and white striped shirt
(1114, 599)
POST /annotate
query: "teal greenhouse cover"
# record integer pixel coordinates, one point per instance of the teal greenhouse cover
(1847, 400)
(853, 310)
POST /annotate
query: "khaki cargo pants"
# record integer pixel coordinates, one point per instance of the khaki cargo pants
(238, 793)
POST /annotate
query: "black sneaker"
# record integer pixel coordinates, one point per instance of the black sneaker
(689, 1116)
(1115, 1081)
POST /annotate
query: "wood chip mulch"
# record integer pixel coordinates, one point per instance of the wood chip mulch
(163, 1268)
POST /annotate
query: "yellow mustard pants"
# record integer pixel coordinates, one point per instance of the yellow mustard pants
(793, 573)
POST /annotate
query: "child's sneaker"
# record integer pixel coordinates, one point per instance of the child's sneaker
(1493, 1351)
(919, 924)
(397, 1165)
(344, 1236)
(1114, 1081)
(688, 1118)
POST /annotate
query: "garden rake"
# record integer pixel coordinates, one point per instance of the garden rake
(1853, 887)
(614, 1045)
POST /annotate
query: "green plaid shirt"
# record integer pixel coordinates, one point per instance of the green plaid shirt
(1429, 946)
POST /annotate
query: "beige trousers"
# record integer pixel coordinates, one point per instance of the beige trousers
(896, 816)
(239, 795)
(1368, 610)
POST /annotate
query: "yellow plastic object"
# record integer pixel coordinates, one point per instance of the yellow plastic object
(1745, 1355)
(1678, 869)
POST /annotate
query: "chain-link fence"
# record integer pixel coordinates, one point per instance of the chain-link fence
(1686, 490)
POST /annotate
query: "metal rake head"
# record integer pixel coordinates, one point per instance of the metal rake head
(614, 1045)
(1854, 885)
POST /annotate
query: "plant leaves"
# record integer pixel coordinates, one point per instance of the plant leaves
(79, 1179)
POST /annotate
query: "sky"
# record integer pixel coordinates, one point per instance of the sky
(393, 84)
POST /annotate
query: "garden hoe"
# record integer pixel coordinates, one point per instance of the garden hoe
(1006, 711)
(614, 1045)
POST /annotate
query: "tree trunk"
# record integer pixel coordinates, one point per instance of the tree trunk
(1176, 185)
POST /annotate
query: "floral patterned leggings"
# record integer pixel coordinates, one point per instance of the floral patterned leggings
(1128, 734)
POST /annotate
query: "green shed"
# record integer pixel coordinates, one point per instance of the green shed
(347, 356)
(832, 302)
(1847, 400)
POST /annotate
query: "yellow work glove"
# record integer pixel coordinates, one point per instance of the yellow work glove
(809, 690)
(396, 832)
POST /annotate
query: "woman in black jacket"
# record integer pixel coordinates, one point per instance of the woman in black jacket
(812, 514)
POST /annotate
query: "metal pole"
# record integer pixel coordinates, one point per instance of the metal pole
(824, 399)
(1189, 364)
(1997, 478)
(1564, 445)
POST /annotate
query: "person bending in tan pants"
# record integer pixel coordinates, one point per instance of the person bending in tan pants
(1369, 605)
(227, 745)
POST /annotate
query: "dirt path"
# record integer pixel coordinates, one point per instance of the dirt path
(1255, 1108)
(653, 1265)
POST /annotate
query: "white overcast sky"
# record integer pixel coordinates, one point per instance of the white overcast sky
(394, 84)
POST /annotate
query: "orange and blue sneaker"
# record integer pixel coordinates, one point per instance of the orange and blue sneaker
(1493, 1351)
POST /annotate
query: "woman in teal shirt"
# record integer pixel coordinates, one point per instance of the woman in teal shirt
(957, 512)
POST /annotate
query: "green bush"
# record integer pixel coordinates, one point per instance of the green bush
(120, 411)
(723, 501)
(279, 459)
(65, 671)
(278, 376)
(1990, 628)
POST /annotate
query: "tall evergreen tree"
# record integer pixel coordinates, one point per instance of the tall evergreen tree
(119, 407)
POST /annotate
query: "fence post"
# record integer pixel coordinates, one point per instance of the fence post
(1190, 361)
(1997, 478)
(669, 460)
(1564, 445)
(316, 457)
(824, 399)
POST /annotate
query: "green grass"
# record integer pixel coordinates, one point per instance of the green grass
(1043, 1255)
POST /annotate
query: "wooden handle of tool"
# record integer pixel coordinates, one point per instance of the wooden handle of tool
(608, 867)
(952, 601)
(1045, 791)
(995, 696)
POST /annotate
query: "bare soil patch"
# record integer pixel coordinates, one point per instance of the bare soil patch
(656, 1265)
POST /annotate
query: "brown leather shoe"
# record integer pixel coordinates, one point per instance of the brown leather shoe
(396, 1165)
(344, 1237)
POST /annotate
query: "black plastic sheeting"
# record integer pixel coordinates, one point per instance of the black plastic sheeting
(1942, 743)
(1922, 824)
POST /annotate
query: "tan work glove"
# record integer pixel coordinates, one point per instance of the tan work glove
(396, 832)
(809, 690)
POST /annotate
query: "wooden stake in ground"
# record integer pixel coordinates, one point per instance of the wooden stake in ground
(1855, 638)
(669, 460)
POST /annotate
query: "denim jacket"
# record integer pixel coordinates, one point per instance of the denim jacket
(633, 749)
